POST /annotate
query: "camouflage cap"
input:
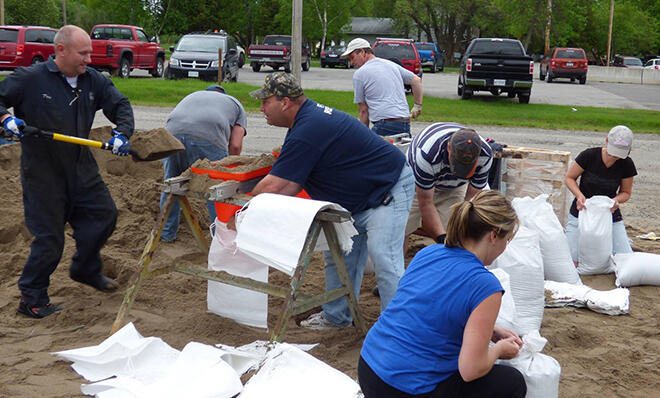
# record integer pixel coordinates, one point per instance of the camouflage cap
(281, 84)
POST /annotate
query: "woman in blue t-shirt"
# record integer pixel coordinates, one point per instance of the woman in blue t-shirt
(433, 339)
(605, 171)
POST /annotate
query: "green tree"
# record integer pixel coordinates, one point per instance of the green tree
(33, 12)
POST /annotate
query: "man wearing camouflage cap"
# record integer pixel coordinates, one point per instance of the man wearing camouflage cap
(336, 158)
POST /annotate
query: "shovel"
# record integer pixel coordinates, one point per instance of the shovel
(147, 155)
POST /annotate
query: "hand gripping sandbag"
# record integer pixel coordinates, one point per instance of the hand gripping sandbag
(634, 269)
(541, 372)
(522, 261)
(595, 236)
(538, 215)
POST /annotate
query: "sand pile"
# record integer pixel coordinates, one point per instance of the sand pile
(601, 356)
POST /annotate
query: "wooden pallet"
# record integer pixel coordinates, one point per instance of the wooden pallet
(532, 172)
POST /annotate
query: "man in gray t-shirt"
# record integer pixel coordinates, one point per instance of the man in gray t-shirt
(211, 125)
(379, 90)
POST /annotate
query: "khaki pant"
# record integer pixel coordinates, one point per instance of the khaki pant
(443, 200)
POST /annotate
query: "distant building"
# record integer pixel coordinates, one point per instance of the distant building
(370, 28)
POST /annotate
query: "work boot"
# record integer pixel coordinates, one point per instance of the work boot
(101, 283)
(37, 312)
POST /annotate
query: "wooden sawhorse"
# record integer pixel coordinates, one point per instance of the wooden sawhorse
(296, 302)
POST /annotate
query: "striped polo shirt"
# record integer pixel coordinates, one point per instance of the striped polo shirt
(429, 159)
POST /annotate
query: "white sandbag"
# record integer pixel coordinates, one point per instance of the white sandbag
(523, 262)
(609, 302)
(506, 318)
(634, 269)
(289, 372)
(242, 305)
(541, 372)
(538, 215)
(595, 236)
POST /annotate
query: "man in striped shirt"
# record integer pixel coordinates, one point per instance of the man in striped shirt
(450, 163)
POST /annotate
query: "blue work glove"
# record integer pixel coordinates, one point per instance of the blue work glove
(119, 143)
(14, 126)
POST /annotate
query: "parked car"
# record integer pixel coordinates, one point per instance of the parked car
(430, 56)
(332, 57)
(275, 51)
(627, 62)
(25, 45)
(196, 56)
(241, 56)
(652, 64)
(496, 65)
(562, 62)
(400, 51)
(119, 49)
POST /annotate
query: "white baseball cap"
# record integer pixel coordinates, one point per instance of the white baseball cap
(355, 44)
(619, 141)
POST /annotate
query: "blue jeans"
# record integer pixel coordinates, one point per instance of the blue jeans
(196, 148)
(391, 128)
(381, 231)
(620, 242)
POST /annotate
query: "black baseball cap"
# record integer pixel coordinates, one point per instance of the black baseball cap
(464, 150)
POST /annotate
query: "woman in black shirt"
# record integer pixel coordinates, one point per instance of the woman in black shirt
(607, 171)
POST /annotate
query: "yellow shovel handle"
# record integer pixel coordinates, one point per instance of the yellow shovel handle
(79, 141)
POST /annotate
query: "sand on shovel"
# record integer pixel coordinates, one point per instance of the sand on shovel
(151, 144)
(155, 144)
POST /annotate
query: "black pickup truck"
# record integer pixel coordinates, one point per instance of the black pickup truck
(496, 65)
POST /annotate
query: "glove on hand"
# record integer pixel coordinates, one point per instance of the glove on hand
(119, 143)
(415, 111)
(14, 126)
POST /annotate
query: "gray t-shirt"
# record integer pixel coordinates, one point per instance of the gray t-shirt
(379, 83)
(209, 115)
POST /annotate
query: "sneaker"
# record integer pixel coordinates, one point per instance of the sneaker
(318, 322)
(37, 312)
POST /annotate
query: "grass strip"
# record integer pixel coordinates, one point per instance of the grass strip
(476, 111)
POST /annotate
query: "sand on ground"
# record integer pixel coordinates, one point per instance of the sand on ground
(600, 355)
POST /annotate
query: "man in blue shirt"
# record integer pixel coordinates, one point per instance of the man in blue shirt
(336, 158)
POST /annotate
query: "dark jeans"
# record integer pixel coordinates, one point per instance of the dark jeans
(391, 128)
(501, 382)
(196, 148)
(51, 198)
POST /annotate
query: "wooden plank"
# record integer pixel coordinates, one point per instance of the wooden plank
(233, 280)
(142, 269)
(296, 282)
(342, 272)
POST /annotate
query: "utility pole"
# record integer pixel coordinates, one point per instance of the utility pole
(2, 12)
(546, 47)
(609, 34)
(296, 39)
(63, 12)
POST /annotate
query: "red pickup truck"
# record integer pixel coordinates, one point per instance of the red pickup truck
(121, 48)
(276, 52)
